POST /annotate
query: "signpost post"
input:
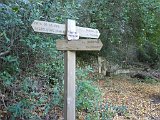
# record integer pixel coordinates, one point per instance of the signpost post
(69, 72)
(70, 46)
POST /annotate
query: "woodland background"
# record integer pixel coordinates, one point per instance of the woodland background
(31, 69)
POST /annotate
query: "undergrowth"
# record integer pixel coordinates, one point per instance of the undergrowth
(34, 90)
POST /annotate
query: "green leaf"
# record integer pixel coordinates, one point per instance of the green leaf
(15, 9)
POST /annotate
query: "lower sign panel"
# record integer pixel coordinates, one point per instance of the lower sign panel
(80, 45)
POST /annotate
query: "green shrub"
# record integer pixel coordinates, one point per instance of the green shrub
(148, 54)
(88, 96)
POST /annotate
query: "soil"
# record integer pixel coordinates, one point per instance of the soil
(141, 99)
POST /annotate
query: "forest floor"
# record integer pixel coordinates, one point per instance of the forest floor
(141, 99)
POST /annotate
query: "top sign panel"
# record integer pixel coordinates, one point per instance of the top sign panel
(55, 28)
(88, 32)
(48, 27)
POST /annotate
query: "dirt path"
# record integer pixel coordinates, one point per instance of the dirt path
(141, 99)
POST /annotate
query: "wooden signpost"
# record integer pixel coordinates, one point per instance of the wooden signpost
(70, 46)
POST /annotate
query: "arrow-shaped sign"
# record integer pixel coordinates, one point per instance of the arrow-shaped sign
(79, 45)
(55, 28)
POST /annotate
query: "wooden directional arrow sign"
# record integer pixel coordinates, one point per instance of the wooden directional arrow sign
(55, 28)
(80, 45)
(48, 27)
(88, 32)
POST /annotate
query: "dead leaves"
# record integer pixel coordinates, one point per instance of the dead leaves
(135, 96)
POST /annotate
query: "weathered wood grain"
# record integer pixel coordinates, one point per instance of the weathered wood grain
(80, 45)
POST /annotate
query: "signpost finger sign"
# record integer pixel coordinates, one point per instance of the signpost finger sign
(55, 28)
(70, 46)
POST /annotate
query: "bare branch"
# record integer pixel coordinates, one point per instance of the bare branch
(4, 53)
(9, 48)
